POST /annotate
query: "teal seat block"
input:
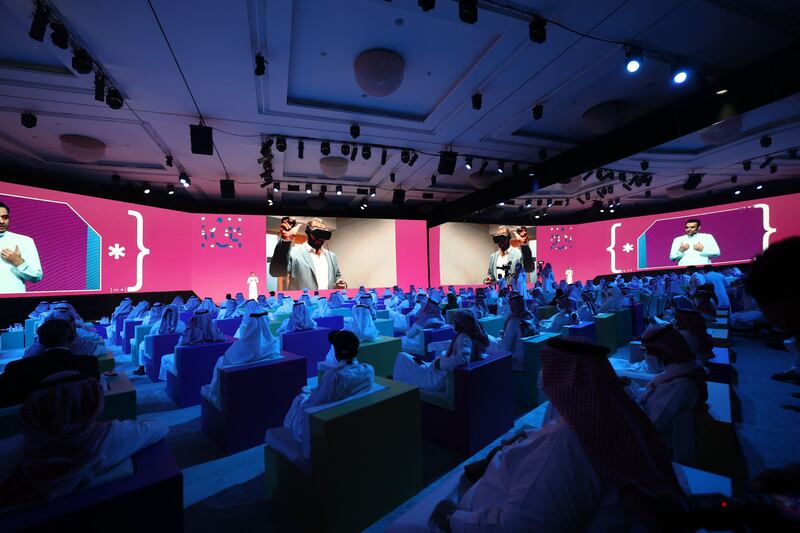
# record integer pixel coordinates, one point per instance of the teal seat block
(274, 325)
(385, 326)
(138, 338)
(280, 317)
(12, 340)
(625, 324)
(381, 354)
(493, 325)
(607, 330)
(526, 382)
(342, 311)
(367, 450)
(546, 311)
(30, 331)
(383, 314)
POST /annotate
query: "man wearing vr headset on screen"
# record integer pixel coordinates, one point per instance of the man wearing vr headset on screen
(513, 248)
(309, 265)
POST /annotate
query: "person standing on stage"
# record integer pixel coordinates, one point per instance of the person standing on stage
(505, 259)
(252, 286)
(694, 248)
(310, 265)
(19, 259)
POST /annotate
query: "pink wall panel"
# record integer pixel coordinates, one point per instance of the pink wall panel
(412, 256)
(434, 236)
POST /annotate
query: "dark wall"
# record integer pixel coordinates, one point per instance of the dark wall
(91, 307)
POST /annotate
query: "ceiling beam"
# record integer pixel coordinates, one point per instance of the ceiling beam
(759, 84)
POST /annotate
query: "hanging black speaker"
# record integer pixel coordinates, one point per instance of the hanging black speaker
(398, 197)
(227, 189)
(202, 139)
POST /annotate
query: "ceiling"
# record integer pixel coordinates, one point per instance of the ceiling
(310, 91)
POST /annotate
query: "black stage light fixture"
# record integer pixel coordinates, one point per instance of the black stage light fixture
(648, 180)
(501, 167)
(168, 160)
(201, 137)
(39, 24)
(99, 86)
(766, 162)
(477, 101)
(309, 188)
(427, 196)
(116, 179)
(345, 150)
(633, 59)
(227, 189)
(792, 153)
(515, 168)
(60, 36)
(538, 111)
(184, 180)
(366, 151)
(644, 165)
(28, 120)
(627, 187)
(468, 162)
(610, 189)
(404, 156)
(413, 159)
(338, 190)
(648, 193)
(433, 180)
(773, 169)
(468, 11)
(398, 197)
(146, 188)
(588, 175)
(355, 130)
(392, 177)
(766, 141)
(280, 144)
(588, 195)
(537, 30)
(270, 199)
(325, 148)
(114, 98)
(372, 192)
(483, 166)
(692, 182)
(581, 200)
(734, 178)
(622, 176)
(747, 165)
(276, 186)
(426, 5)
(170, 189)
(549, 203)
(81, 61)
(539, 202)
(353, 152)
(542, 154)
(364, 203)
(301, 147)
(261, 65)
(267, 177)
(384, 156)
(447, 162)
(528, 203)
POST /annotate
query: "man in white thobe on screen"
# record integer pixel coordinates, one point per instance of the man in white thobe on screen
(19, 259)
(693, 248)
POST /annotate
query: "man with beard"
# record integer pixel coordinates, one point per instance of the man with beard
(309, 265)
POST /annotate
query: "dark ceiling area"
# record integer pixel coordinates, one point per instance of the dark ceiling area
(528, 112)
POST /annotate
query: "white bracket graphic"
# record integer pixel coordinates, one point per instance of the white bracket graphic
(142, 250)
(611, 250)
(768, 230)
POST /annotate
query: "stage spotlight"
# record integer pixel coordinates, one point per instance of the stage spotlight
(355, 130)
(170, 189)
(353, 152)
(398, 197)
(270, 199)
(622, 176)
(276, 186)
(648, 193)
(184, 180)
(537, 30)
(588, 175)
(633, 59)
(773, 169)
(468, 11)
(501, 167)
(734, 179)
(28, 120)
(114, 98)
(514, 168)
(39, 24)
(542, 154)
(483, 166)
(261, 65)
(447, 162)
(539, 202)
(610, 189)
(759, 187)
(530, 171)
(168, 160)
(413, 159)
(60, 37)
(549, 203)
(345, 150)
(325, 148)
(99, 86)
(366, 151)
(433, 180)
(792, 153)
(692, 182)
(477, 101)
(766, 162)
(737, 192)
(537, 216)
(267, 177)
(280, 144)
(82, 61)
(384, 155)
(338, 190)
(747, 165)
(611, 210)
(765, 141)
(538, 111)
(301, 148)
(679, 75)
(580, 200)
(647, 180)
(644, 165)
(601, 192)
(309, 188)
(392, 177)
(588, 195)
(404, 157)
(627, 187)
(468, 162)
(372, 192)
(528, 203)
(364, 203)
(426, 5)
(146, 188)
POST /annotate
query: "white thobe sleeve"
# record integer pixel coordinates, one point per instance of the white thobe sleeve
(668, 400)
(710, 247)
(31, 268)
(126, 437)
(674, 253)
(459, 355)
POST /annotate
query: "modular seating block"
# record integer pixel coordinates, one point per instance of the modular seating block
(720, 337)
(158, 346)
(383, 313)
(381, 354)
(253, 398)
(194, 366)
(480, 409)
(119, 325)
(637, 320)
(607, 330)
(443, 333)
(342, 311)
(229, 326)
(385, 327)
(30, 331)
(719, 323)
(492, 325)
(716, 439)
(331, 322)
(719, 367)
(625, 325)
(274, 325)
(155, 490)
(581, 329)
(492, 307)
(101, 330)
(544, 312)
(12, 340)
(526, 382)
(349, 303)
(130, 332)
(138, 338)
(368, 448)
(106, 362)
(312, 344)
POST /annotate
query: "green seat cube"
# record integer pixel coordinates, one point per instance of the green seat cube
(625, 324)
(138, 338)
(105, 362)
(546, 311)
(385, 326)
(383, 314)
(381, 354)
(525, 382)
(607, 330)
(342, 311)
(493, 325)
(30, 331)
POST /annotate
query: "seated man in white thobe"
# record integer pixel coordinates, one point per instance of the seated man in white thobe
(250, 307)
(192, 304)
(200, 330)
(156, 311)
(520, 323)
(566, 316)
(208, 303)
(693, 248)
(680, 388)
(168, 323)
(227, 310)
(361, 325)
(693, 327)
(429, 317)
(470, 344)
(123, 309)
(256, 343)
(41, 308)
(569, 476)
(347, 378)
(300, 320)
(322, 309)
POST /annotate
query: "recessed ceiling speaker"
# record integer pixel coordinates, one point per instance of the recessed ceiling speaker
(333, 167)
(606, 116)
(379, 72)
(83, 149)
(202, 139)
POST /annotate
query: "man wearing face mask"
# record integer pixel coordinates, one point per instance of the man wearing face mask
(505, 259)
(309, 265)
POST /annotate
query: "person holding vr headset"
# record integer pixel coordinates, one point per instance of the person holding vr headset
(512, 249)
(310, 265)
